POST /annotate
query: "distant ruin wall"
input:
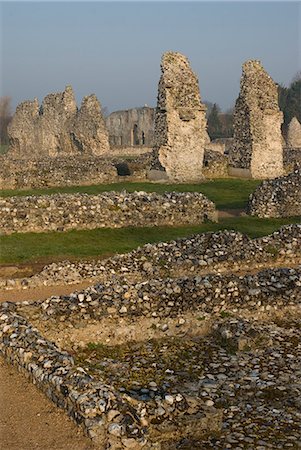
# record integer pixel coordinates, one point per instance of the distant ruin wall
(294, 133)
(132, 127)
(257, 125)
(277, 198)
(62, 212)
(180, 122)
(60, 171)
(58, 128)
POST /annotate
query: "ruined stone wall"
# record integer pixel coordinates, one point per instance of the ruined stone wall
(132, 127)
(110, 210)
(59, 171)
(58, 128)
(277, 198)
(257, 125)
(180, 122)
(215, 164)
(294, 134)
(291, 158)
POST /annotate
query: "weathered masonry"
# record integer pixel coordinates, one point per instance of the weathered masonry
(257, 150)
(294, 134)
(132, 127)
(60, 212)
(180, 122)
(58, 128)
(280, 197)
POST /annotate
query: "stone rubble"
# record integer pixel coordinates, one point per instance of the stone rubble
(60, 212)
(237, 385)
(198, 254)
(170, 297)
(111, 418)
(277, 198)
(53, 172)
(257, 150)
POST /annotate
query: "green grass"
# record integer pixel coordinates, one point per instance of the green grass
(37, 247)
(225, 193)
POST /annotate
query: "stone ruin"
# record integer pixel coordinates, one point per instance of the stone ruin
(257, 150)
(180, 121)
(131, 127)
(294, 134)
(280, 197)
(58, 128)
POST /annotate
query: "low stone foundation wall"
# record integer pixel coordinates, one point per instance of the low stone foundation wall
(277, 198)
(59, 171)
(62, 212)
(198, 255)
(170, 297)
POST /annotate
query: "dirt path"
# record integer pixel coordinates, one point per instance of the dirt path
(28, 420)
(222, 214)
(42, 292)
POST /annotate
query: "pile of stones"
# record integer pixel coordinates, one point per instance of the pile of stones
(60, 212)
(277, 198)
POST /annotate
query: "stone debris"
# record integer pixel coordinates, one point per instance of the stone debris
(225, 375)
(57, 128)
(277, 198)
(180, 121)
(294, 134)
(60, 212)
(170, 297)
(113, 419)
(257, 150)
(198, 254)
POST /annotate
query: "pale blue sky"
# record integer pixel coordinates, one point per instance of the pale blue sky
(113, 49)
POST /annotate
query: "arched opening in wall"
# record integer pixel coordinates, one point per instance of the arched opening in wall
(134, 136)
(143, 138)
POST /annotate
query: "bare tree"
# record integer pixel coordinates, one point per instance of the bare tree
(5, 118)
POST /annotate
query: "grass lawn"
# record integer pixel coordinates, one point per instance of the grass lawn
(39, 247)
(226, 193)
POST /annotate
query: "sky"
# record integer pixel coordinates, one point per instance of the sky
(113, 49)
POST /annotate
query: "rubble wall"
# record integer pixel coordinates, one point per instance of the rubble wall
(257, 125)
(277, 198)
(51, 172)
(62, 212)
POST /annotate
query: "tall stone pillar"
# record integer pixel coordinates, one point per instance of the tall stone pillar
(180, 121)
(257, 150)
